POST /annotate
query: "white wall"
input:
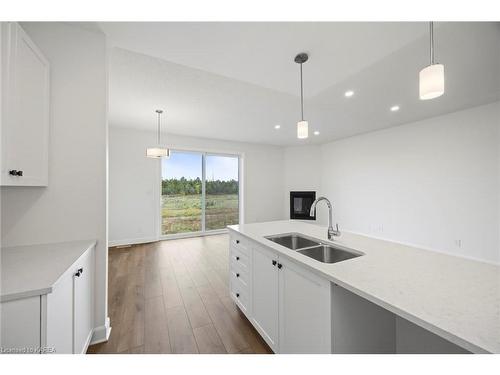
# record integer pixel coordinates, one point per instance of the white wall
(134, 181)
(434, 183)
(73, 206)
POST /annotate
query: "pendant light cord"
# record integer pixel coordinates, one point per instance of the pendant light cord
(159, 114)
(431, 36)
(301, 95)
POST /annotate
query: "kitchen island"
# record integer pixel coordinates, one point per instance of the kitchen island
(393, 299)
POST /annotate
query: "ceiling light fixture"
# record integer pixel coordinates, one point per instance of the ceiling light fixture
(158, 151)
(349, 93)
(316, 132)
(395, 108)
(277, 126)
(431, 77)
(302, 125)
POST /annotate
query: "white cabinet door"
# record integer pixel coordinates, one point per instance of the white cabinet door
(20, 325)
(25, 110)
(265, 295)
(69, 321)
(83, 306)
(305, 320)
(59, 321)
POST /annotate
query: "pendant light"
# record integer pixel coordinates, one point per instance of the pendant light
(302, 125)
(158, 151)
(432, 76)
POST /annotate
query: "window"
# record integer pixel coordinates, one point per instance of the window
(199, 192)
(221, 186)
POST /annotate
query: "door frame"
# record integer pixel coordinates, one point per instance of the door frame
(203, 232)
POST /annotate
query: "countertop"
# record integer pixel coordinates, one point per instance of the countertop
(455, 298)
(34, 270)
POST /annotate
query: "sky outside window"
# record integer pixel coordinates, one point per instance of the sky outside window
(188, 165)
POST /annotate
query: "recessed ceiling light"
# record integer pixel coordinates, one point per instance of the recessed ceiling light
(316, 132)
(395, 108)
(349, 93)
(277, 126)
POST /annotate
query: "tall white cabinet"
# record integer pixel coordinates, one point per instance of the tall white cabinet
(25, 109)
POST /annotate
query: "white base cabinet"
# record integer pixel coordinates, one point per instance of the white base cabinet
(304, 316)
(290, 306)
(20, 326)
(297, 311)
(57, 322)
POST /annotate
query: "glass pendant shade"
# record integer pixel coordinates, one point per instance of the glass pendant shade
(157, 152)
(302, 125)
(302, 129)
(431, 82)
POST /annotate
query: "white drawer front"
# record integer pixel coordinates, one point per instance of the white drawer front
(240, 243)
(240, 259)
(241, 296)
(241, 279)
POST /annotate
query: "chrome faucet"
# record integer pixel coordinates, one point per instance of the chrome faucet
(331, 232)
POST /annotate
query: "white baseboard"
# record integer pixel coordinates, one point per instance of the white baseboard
(101, 333)
(177, 236)
(132, 241)
(87, 342)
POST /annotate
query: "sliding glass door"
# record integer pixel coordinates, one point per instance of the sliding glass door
(181, 193)
(221, 186)
(199, 192)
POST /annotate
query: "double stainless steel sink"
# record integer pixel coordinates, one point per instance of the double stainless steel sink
(314, 248)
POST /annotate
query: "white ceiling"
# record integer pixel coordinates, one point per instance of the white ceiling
(235, 81)
(263, 53)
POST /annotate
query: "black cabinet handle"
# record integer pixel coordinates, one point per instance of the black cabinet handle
(280, 265)
(274, 262)
(237, 275)
(15, 172)
(237, 258)
(79, 272)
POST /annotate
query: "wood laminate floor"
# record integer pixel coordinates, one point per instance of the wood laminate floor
(173, 297)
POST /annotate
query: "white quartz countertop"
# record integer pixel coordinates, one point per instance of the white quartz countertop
(455, 298)
(33, 270)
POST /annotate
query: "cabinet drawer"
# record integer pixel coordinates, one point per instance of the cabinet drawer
(241, 279)
(239, 265)
(241, 296)
(240, 243)
(240, 259)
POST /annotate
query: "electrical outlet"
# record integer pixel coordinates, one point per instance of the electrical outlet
(458, 243)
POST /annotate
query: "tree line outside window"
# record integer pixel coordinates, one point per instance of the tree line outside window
(183, 186)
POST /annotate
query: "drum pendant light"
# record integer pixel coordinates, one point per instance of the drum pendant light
(431, 77)
(302, 125)
(158, 151)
